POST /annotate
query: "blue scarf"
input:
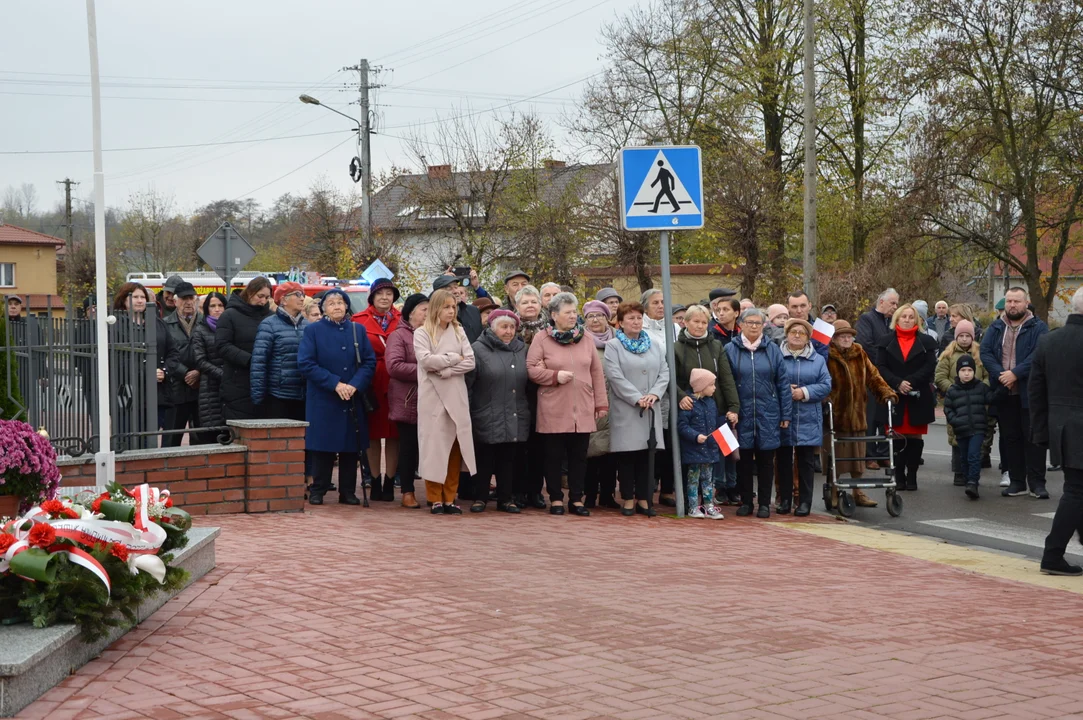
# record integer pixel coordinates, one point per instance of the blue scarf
(637, 347)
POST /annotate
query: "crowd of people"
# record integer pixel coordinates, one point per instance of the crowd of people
(545, 401)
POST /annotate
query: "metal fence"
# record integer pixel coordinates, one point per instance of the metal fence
(54, 360)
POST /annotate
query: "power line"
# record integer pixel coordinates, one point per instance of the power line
(169, 147)
(291, 172)
(142, 77)
(141, 97)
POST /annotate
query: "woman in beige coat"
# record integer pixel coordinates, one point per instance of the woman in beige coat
(444, 356)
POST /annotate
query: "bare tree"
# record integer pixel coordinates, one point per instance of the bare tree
(151, 235)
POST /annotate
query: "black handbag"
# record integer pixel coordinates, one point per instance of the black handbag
(368, 399)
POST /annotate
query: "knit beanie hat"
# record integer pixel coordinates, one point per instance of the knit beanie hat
(965, 362)
(597, 306)
(383, 284)
(503, 313)
(701, 380)
(411, 304)
(774, 311)
(965, 327)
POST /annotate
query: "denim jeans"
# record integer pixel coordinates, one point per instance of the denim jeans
(972, 448)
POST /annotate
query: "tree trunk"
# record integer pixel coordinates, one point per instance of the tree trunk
(858, 93)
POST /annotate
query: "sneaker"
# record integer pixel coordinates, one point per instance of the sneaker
(1005, 479)
(1041, 493)
(697, 512)
(714, 513)
(1014, 491)
(437, 509)
(1053, 468)
(972, 491)
(1060, 567)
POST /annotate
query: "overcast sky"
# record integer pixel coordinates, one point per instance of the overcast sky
(199, 72)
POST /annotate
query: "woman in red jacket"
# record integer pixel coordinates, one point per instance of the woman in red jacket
(380, 319)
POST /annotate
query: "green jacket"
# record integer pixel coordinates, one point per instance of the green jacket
(708, 354)
(945, 367)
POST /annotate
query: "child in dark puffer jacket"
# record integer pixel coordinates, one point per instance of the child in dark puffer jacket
(966, 408)
(699, 452)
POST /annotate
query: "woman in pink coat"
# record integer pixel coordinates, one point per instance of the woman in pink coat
(571, 397)
(444, 356)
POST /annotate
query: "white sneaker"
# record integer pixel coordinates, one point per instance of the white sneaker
(1005, 480)
(697, 512)
(714, 513)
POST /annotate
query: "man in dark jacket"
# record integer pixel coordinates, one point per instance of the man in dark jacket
(1007, 351)
(277, 385)
(872, 328)
(1056, 416)
(183, 375)
(469, 316)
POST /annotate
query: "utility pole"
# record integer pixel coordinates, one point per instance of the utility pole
(69, 224)
(812, 285)
(364, 132)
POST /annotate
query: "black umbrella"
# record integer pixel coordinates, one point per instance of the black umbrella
(360, 454)
(652, 447)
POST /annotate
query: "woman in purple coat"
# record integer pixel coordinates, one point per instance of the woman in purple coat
(402, 391)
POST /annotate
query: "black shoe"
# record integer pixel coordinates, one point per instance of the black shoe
(733, 496)
(388, 495)
(350, 499)
(1014, 490)
(972, 491)
(648, 511)
(744, 511)
(817, 464)
(784, 506)
(803, 510)
(556, 509)
(437, 510)
(590, 503)
(332, 487)
(314, 499)
(667, 501)
(627, 512)
(510, 507)
(959, 480)
(911, 483)
(1040, 492)
(986, 462)
(537, 501)
(579, 510)
(763, 512)
(1060, 567)
(450, 509)
(1053, 468)
(478, 506)
(609, 503)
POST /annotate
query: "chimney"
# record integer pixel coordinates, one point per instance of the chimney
(439, 172)
(551, 164)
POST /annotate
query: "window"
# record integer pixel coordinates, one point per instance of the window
(7, 274)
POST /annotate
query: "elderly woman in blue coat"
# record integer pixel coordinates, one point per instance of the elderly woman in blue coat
(810, 384)
(338, 363)
(763, 385)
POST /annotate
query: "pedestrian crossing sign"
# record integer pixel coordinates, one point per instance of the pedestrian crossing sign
(661, 187)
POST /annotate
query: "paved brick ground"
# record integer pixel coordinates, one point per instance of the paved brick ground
(389, 613)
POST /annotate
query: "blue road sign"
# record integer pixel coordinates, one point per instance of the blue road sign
(661, 187)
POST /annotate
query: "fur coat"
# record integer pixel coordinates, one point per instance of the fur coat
(853, 378)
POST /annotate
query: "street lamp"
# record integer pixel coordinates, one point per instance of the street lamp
(309, 100)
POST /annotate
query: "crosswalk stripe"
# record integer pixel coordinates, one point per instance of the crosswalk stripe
(988, 528)
(1048, 516)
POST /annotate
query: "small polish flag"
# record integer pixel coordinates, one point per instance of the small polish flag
(823, 331)
(725, 439)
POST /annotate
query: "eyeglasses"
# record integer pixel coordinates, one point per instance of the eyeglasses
(595, 316)
(295, 293)
(752, 323)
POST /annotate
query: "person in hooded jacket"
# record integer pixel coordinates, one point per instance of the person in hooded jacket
(277, 386)
(401, 365)
(235, 338)
(499, 410)
(965, 343)
(810, 384)
(966, 408)
(338, 364)
(208, 362)
(697, 347)
(763, 386)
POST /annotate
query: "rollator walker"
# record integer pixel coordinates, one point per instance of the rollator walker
(846, 504)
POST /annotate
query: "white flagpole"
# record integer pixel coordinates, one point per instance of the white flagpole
(104, 459)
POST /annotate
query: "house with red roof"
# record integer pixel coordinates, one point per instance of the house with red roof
(28, 268)
(1069, 280)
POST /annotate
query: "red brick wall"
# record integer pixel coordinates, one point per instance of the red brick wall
(264, 472)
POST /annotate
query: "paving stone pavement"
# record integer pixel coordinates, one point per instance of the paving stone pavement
(391, 613)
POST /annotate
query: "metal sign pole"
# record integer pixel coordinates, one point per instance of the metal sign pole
(674, 436)
(229, 262)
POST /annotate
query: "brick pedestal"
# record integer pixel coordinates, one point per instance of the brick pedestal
(276, 464)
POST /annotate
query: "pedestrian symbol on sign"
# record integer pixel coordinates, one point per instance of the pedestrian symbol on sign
(662, 184)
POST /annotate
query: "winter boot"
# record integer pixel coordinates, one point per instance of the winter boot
(914, 448)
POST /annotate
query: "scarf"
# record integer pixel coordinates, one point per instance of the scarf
(567, 337)
(600, 339)
(212, 322)
(384, 320)
(529, 328)
(690, 336)
(1007, 345)
(638, 346)
(187, 325)
(906, 339)
(751, 346)
(804, 352)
